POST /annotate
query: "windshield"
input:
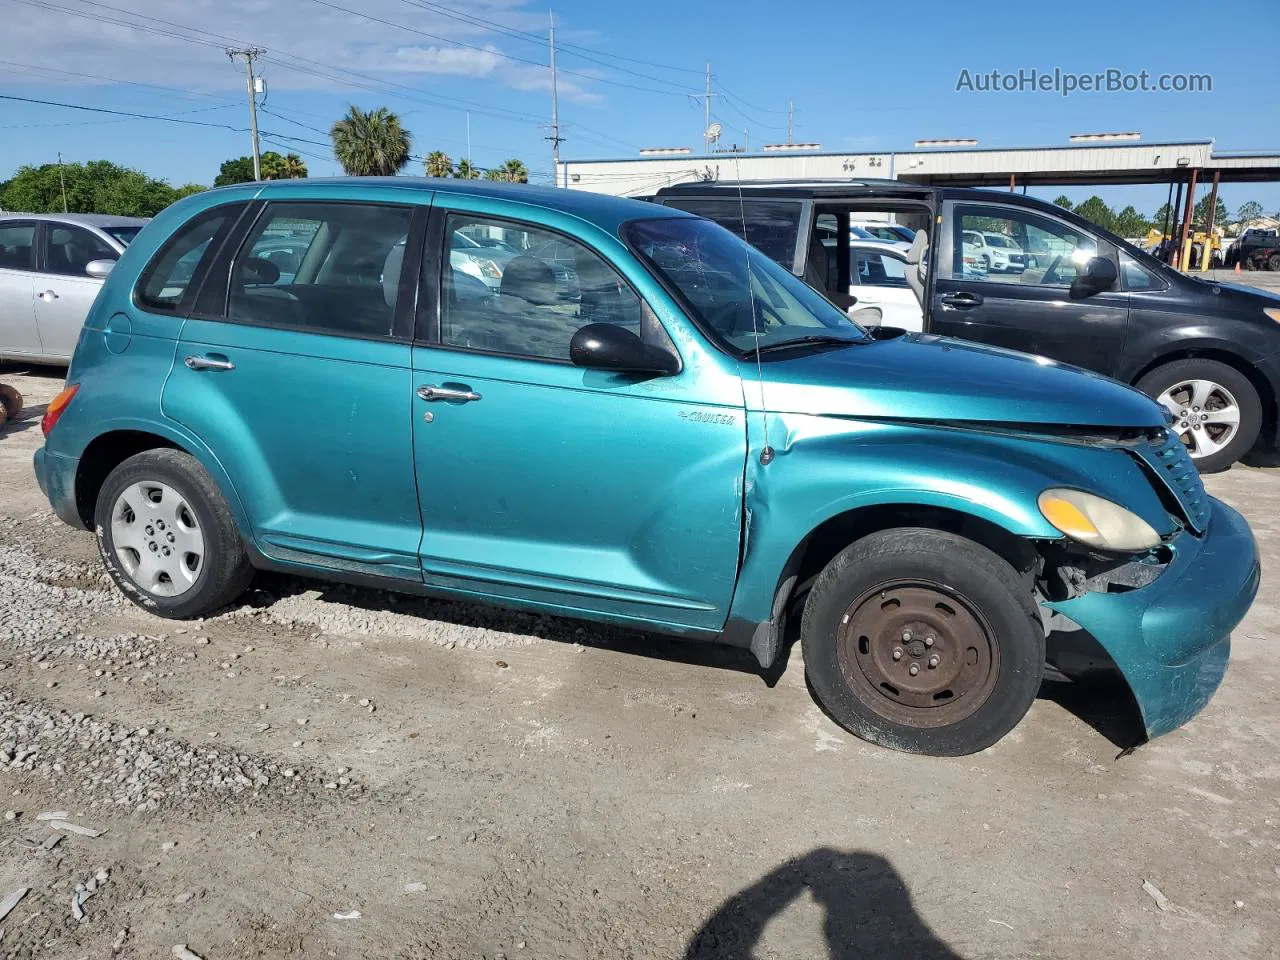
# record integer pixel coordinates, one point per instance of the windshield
(721, 278)
(124, 234)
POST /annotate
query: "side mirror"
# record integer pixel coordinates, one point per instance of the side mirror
(98, 269)
(1099, 274)
(607, 346)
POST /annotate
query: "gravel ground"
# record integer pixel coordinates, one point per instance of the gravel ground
(485, 784)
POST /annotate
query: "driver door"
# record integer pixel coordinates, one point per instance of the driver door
(546, 484)
(1031, 310)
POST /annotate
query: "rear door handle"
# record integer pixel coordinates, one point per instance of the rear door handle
(431, 393)
(209, 363)
(962, 300)
(47, 296)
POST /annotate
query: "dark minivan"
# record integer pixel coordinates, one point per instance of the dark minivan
(1209, 352)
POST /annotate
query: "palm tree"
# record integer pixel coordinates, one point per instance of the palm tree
(371, 143)
(272, 166)
(466, 171)
(294, 166)
(438, 164)
(511, 171)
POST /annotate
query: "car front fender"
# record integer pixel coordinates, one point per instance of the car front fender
(826, 467)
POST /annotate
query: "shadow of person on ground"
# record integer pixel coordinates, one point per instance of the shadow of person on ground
(867, 907)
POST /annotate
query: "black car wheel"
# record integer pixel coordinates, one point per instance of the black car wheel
(923, 641)
(167, 537)
(1273, 262)
(11, 400)
(1216, 409)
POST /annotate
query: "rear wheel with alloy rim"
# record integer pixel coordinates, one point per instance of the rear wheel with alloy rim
(167, 537)
(1215, 409)
(923, 641)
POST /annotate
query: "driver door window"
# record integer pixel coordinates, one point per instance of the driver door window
(68, 250)
(996, 244)
(523, 291)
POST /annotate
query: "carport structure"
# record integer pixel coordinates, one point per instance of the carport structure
(1089, 160)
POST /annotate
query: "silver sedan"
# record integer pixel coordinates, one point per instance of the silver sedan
(51, 268)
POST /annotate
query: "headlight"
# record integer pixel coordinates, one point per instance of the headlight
(1272, 312)
(1096, 522)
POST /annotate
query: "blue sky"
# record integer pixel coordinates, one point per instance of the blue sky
(863, 75)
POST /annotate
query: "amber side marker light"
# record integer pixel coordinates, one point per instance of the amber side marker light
(56, 407)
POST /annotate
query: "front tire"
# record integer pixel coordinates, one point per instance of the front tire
(1216, 409)
(167, 537)
(11, 400)
(923, 641)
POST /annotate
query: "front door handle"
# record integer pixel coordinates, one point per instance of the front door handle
(208, 363)
(431, 393)
(962, 300)
(47, 296)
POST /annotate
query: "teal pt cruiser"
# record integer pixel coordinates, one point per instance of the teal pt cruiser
(605, 409)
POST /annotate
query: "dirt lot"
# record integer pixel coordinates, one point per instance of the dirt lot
(486, 784)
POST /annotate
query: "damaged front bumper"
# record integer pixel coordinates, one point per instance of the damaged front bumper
(1171, 638)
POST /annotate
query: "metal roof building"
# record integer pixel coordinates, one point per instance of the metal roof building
(1092, 160)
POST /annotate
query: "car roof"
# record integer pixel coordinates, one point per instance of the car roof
(600, 209)
(88, 219)
(801, 189)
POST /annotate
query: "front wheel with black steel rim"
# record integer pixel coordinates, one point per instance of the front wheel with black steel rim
(923, 641)
(167, 537)
(1216, 411)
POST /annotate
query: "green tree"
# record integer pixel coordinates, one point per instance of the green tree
(511, 171)
(1096, 211)
(1130, 223)
(187, 189)
(238, 170)
(98, 186)
(1249, 210)
(371, 143)
(1063, 202)
(276, 166)
(438, 164)
(467, 171)
(1200, 215)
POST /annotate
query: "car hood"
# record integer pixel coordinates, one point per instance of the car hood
(920, 377)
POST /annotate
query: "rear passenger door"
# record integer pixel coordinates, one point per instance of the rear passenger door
(294, 368)
(18, 334)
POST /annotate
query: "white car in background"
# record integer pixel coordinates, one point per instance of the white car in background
(879, 279)
(999, 253)
(51, 269)
(891, 233)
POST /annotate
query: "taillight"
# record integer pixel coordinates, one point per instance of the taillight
(57, 406)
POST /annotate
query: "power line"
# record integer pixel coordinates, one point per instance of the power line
(124, 113)
(492, 52)
(85, 123)
(119, 80)
(533, 37)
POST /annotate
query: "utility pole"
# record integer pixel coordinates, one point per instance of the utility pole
(250, 54)
(555, 137)
(63, 180)
(706, 112)
(791, 121)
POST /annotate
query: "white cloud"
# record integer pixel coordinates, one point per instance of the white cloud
(325, 39)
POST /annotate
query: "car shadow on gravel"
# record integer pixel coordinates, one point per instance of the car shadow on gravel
(270, 586)
(28, 419)
(866, 905)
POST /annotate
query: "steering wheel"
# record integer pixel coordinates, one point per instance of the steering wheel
(728, 317)
(1051, 275)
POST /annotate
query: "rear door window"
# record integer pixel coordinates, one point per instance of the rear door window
(322, 267)
(17, 246)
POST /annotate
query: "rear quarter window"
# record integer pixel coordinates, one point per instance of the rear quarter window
(169, 281)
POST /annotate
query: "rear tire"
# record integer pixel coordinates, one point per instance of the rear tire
(923, 641)
(167, 537)
(1212, 447)
(1273, 262)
